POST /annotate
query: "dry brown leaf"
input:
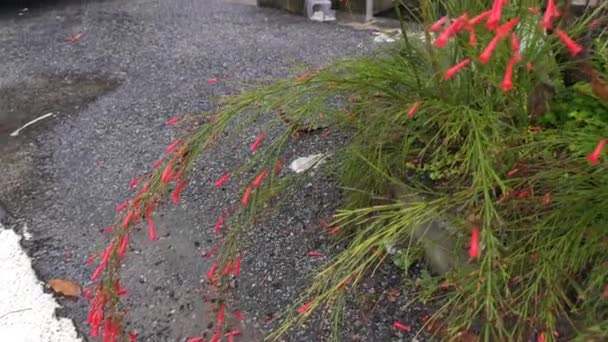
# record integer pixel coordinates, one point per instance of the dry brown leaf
(64, 287)
(392, 294)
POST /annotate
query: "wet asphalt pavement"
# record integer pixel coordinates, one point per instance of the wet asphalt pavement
(136, 64)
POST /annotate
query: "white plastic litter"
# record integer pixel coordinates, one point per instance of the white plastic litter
(304, 163)
(16, 133)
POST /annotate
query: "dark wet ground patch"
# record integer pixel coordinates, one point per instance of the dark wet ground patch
(27, 100)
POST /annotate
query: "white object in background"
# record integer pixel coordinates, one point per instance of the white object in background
(382, 37)
(304, 163)
(320, 10)
(16, 133)
(27, 314)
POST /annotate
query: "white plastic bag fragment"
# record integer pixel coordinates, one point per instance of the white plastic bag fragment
(304, 163)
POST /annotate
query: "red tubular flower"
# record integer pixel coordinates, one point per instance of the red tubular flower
(448, 74)
(305, 308)
(227, 268)
(237, 266)
(157, 163)
(196, 339)
(594, 157)
(413, 109)
(178, 191)
(122, 206)
(541, 337)
(334, 230)
(132, 336)
(278, 166)
(231, 335)
(172, 146)
(211, 272)
(507, 81)
(151, 229)
(485, 56)
(401, 326)
(220, 315)
(257, 142)
(211, 252)
(495, 14)
(512, 172)
(222, 180)
(127, 220)
(124, 242)
(550, 12)
(529, 67)
(505, 28)
(571, 45)
(119, 289)
(474, 247)
(438, 24)
(173, 121)
(107, 230)
(218, 224)
(547, 198)
(472, 36)
(239, 315)
(515, 47)
(451, 30)
(246, 195)
(216, 336)
(479, 18)
(134, 183)
(167, 172)
(91, 259)
(258, 180)
(98, 271)
(314, 254)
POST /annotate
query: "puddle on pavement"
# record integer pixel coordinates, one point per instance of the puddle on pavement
(25, 101)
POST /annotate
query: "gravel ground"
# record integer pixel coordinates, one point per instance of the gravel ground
(150, 61)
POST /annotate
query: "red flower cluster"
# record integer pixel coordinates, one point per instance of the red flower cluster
(493, 18)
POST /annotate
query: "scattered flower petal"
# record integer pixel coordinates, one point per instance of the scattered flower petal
(132, 336)
(278, 166)
(218, 224)
(326, 134)
(529, 67)
(314, 254)
(107, 230)
(151, 229)
(533, 10)
(222, 180)
(212, 81)
(257, 142)
(196, 339)
(401, 326)
(513, 172)
(173, 121)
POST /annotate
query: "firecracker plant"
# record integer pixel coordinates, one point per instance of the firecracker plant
(466, 119)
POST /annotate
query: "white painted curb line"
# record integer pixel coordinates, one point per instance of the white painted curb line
(27, 314)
